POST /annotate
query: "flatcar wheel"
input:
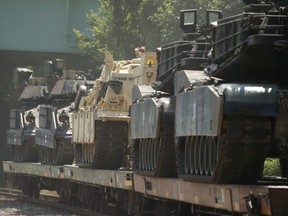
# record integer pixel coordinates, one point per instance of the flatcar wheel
(30, 186)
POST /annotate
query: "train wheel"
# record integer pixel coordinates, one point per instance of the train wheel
(30, 186)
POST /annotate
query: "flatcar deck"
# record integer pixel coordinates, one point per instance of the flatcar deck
(115, 179)
(217, 196)
(270, 198)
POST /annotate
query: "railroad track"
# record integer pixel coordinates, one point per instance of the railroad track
(46, 200)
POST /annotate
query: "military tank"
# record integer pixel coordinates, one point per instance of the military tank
(24, 121)
(214, 108)
(100, 130)
(53, 136)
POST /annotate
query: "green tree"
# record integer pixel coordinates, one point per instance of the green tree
(272, 167)
(167, 16)
(115, 28)
(121, 25)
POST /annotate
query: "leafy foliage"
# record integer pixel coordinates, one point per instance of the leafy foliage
(119, 26)
(272, 167)
(115, 28)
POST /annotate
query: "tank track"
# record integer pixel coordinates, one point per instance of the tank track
(107, 152)
(161, 162)
(243, 147)
(62, 154)
(24, 152)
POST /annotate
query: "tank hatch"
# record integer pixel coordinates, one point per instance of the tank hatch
(64, 88)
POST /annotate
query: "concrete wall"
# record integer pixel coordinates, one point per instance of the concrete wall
(42, 25)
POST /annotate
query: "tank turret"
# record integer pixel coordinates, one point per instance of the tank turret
(214, 111)
(253, 41)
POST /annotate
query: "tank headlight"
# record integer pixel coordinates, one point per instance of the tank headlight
(30, 118)
(63, 118)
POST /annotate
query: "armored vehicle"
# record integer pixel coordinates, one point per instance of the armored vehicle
(216, 106)
(100, 130)
(53, 137)
(24, 121)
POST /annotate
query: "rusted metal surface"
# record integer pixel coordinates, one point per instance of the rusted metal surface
(226, 197)
(271, 199)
